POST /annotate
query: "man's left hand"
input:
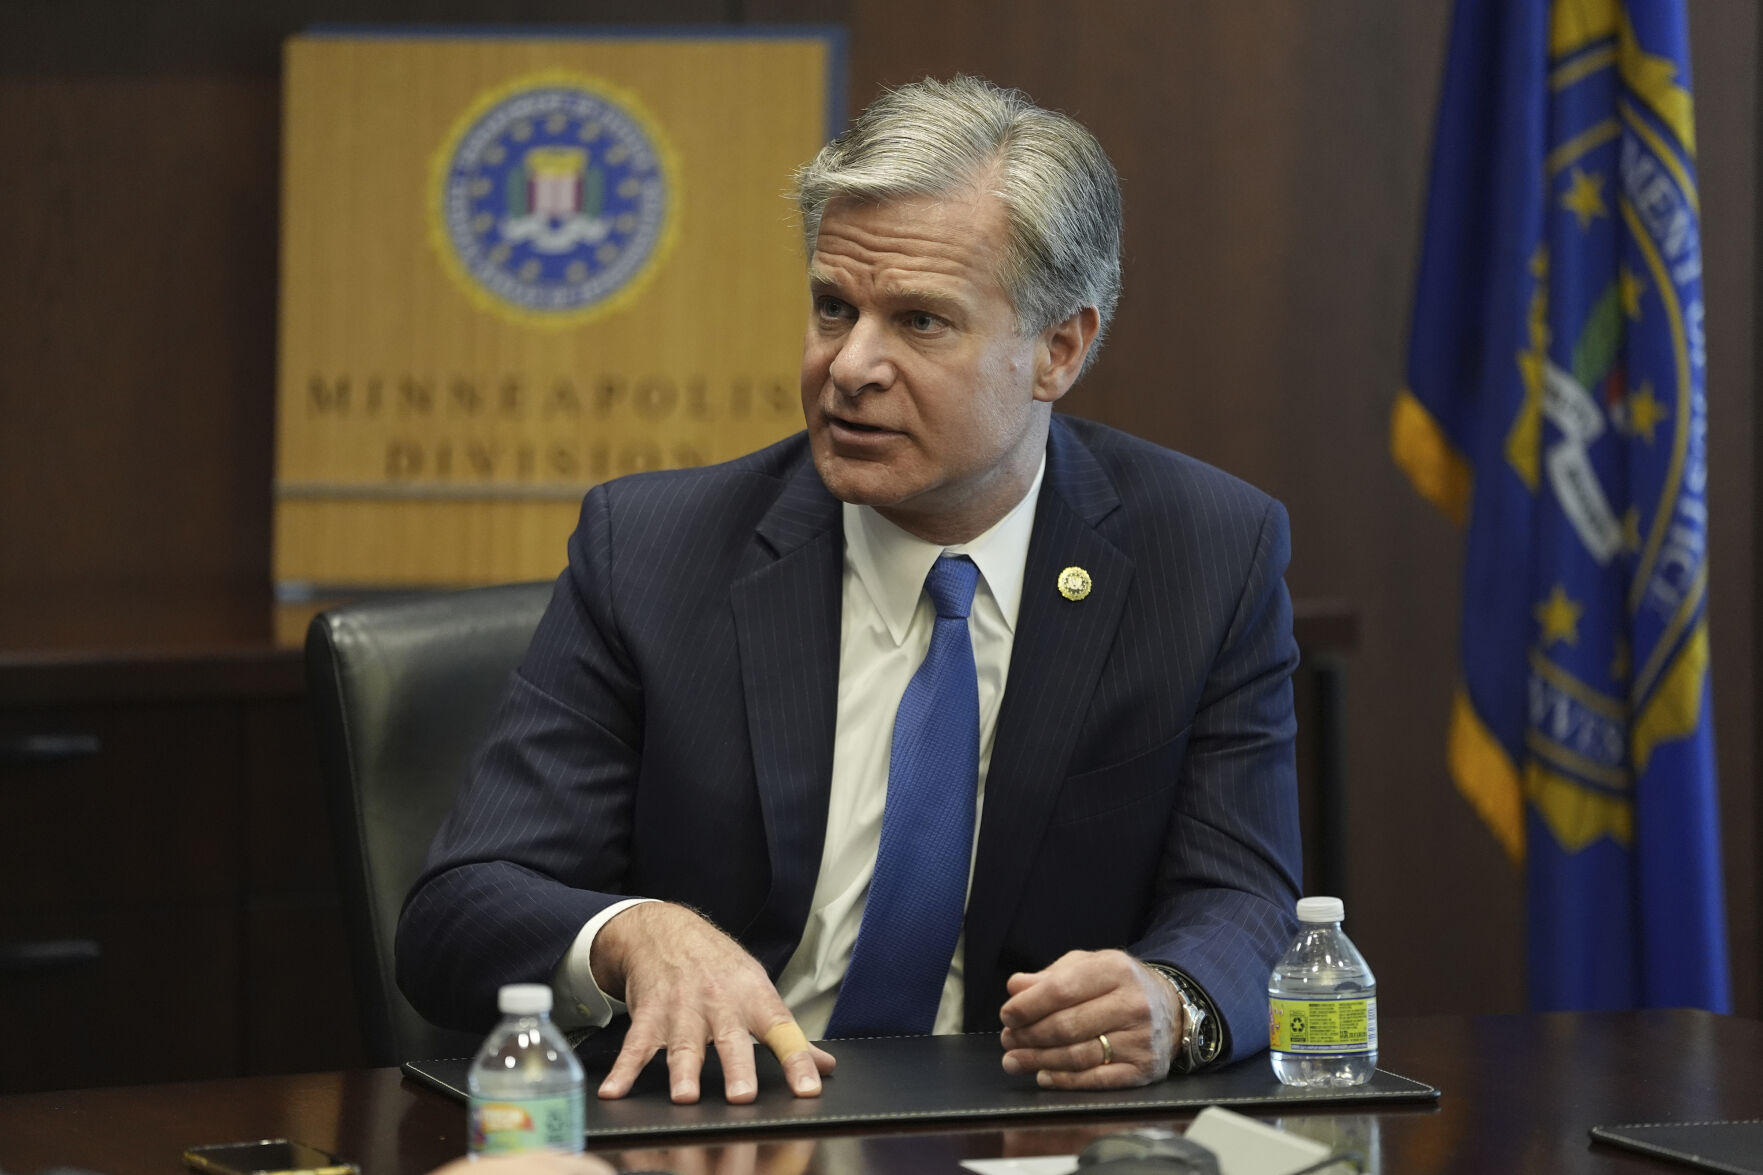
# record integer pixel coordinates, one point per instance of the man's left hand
(1055, 1018)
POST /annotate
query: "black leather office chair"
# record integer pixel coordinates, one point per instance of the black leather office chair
(402, 691)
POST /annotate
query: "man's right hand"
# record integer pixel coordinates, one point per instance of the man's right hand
(687, 983)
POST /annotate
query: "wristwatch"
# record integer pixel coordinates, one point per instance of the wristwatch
(1202, 1035)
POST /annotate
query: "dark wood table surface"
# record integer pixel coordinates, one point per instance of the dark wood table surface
(1520, 1093)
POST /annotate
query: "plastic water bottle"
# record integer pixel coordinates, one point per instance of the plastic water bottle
(525, 1082)
(1322, 1004)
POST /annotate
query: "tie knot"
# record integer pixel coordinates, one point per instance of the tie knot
(950, 583)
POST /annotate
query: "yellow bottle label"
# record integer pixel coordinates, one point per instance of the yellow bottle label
(1322, 1026)
(506, 1127)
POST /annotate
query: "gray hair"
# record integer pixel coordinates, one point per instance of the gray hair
(1062, 196)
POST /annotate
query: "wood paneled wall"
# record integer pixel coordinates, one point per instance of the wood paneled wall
(1273, 153)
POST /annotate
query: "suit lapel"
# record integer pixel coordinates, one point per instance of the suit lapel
(1057, 657)
(786, 610)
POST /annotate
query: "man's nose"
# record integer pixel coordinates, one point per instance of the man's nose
(864, 361)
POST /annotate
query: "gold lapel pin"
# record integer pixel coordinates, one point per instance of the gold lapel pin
(1074, 583)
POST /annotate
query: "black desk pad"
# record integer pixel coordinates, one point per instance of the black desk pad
(915, 1078)
(1735, 1147)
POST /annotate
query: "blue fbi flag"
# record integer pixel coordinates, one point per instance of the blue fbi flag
(1555, 409)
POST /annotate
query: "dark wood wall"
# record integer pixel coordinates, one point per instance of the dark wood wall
(1273, 154)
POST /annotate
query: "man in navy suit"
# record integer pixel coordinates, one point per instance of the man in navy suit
(679, 808)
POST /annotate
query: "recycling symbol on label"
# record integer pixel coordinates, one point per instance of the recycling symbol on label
(1298, 1023)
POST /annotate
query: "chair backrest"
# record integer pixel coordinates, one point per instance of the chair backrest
(402, 691)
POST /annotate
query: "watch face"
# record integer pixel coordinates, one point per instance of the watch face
(1213, 1044)
(1201, 1040)
(1211, 1041)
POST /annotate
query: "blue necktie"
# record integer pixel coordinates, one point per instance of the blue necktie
(916, 898)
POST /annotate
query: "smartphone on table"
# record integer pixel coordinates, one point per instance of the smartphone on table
(267, 1156)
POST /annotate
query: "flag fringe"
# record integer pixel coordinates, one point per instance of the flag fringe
(1439, 473)
(1485, 775)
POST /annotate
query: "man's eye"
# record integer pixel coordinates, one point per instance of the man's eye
(921, 320)
(828, 307)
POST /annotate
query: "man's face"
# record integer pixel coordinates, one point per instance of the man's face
(921, 397)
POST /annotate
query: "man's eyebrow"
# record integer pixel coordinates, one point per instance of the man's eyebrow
(822, 281)
(922, 298)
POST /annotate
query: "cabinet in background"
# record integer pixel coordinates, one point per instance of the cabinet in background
(168, 908)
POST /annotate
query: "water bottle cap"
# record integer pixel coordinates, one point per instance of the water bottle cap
(524, 999)
(1317, 910)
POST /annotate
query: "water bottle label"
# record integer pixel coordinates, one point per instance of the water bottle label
(502, 1126)
(1322, 1026)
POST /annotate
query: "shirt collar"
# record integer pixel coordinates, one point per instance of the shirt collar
(892, 563)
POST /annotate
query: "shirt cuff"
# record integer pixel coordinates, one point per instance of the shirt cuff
(578, 1001)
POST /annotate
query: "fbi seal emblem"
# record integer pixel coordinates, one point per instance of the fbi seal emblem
(553, 199)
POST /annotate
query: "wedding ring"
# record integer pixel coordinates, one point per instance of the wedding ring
(1107, 1049)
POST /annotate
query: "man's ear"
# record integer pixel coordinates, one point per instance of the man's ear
(1060, 352)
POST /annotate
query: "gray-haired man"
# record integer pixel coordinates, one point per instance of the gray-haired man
(718, 797)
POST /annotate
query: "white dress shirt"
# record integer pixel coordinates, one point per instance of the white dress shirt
(884, 632)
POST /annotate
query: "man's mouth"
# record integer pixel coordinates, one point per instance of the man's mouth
(856, 427)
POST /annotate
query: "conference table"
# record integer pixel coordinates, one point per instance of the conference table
(1519, 1094)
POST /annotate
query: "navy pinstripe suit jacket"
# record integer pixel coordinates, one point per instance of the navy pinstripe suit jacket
(670, 734)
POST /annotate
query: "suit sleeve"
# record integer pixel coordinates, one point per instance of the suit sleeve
(1230, 873)
(538, 839)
